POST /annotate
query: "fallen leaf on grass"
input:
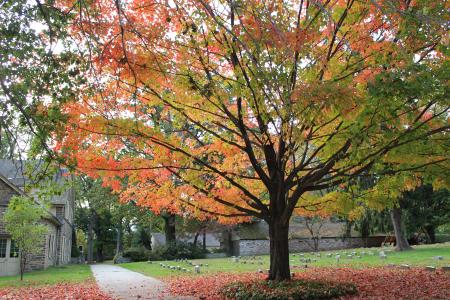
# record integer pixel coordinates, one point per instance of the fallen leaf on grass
(66, 291)
(372, 283)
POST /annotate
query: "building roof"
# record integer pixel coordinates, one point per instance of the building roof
(15, 171)
(12, 185)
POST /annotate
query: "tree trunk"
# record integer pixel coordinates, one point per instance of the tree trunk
(119, 245)
(100, 252)
(204, 239)
(400, 236)
(431, 233)
(316, 243)
(23, 260)
(90, 241)
(279, 251)
(196, 238)
(169, 228)
(348, 229)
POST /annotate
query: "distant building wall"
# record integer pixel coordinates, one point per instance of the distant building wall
(212, 241)
(260, 247)
(55, 246)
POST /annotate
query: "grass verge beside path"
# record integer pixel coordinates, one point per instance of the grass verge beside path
(420, 256)
(50, 276)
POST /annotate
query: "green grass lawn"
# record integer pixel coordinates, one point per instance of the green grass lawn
(420, 256)
(52, 275)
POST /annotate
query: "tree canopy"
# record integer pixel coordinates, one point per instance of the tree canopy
(238, 109)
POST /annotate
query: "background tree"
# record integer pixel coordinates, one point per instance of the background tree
(425, 209)
(108, 224)
(267, 101)
(373, 221)
(23, 222)
(37, 75)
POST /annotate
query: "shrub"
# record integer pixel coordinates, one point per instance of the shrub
(75, 252)
(177, 250)
(137, 254)
(289, 290)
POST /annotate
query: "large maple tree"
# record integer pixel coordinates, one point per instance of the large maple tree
(239, 109)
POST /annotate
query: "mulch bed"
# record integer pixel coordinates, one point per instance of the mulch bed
(372, 283)
(69, 291)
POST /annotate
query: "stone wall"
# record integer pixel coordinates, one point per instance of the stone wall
(259, 247)
(36, 261)
(45, 256)
(65, 243)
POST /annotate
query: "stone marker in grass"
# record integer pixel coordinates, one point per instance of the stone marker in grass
(405, 266)
(430, 268)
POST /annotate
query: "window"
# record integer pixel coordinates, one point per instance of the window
(14, 251)
(60, 212)
(3, 248)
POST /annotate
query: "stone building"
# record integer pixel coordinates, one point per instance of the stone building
(57, 243)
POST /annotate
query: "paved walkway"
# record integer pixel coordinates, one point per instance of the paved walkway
(124, 284)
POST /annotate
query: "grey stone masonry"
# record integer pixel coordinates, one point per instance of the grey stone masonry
(260, 247)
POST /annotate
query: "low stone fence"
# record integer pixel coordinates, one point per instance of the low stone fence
(215, 255)
(259, 247)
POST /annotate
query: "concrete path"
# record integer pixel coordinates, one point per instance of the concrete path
(124, 284)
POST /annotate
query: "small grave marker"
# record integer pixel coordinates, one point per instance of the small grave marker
(405, 266)
(197, 269)
(430, 268)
